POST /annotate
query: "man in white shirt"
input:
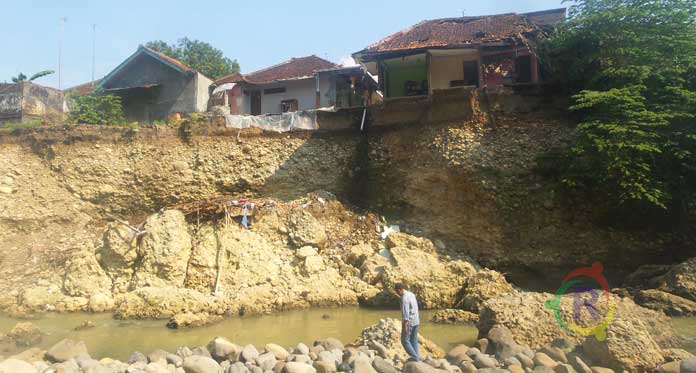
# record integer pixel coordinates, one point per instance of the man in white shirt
(410, 321)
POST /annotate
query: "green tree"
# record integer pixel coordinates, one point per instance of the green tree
(632, 67)
(96, 109)
(198, 55)
(21, 77)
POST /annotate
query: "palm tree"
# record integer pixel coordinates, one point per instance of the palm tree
(21, 77)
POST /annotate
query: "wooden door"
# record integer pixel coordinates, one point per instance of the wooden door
(255, 102)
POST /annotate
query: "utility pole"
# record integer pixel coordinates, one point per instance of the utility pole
(94, 48)
(61, 21)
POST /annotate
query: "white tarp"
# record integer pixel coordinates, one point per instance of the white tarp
(301, 120)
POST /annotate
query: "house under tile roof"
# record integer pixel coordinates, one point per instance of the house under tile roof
(465, 32)
(293, 69)
(84, 88)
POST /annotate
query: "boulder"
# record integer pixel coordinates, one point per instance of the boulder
(191, 320)
(387, 332)
(25, 334)
(680, 280)
(84, 276)
(542, 359)
(66, 350)
(372, 269)
(306, 251)
(278, 351)
(357, 254)
(164, 251)
(237, 367)
(670, 304)
(435, 283)
(534, 324)
(158, 356)
(502, 342)
(137, 357)
(295, 367)
(249, 353)
(481, 286)
(305, 229)
(16, 366)
(407, 241)
(101, 302)
(301, 349)
(454, 316)
(419, 367)
(688, 365)
(458, 354)
(325, 367)
(117, 254)
(222, 349)
(200, 364)
(266, 361)
(329, 344)
(362, 364)
(383, 366)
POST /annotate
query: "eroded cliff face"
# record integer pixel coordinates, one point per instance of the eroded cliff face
(474, 186)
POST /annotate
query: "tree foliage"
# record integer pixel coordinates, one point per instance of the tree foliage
(199, 56)
(96, 109)
(632, 67)
(21, 77)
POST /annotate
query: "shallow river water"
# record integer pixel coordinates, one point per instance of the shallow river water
(119, 338)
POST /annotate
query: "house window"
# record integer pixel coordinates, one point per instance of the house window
(270, 91)
(288, 106)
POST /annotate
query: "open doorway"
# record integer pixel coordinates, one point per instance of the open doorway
(471, 73)
(255, 103)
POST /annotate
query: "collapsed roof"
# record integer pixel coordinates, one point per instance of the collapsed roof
(293, 69)
(465, 32)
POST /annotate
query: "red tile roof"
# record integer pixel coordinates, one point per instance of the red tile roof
(294, 68)
(466, 31)
(171, 60)
(84, 88)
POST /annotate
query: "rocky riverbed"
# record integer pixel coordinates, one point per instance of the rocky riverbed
(377, 350)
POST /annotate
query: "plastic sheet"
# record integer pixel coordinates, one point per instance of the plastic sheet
(298, 120)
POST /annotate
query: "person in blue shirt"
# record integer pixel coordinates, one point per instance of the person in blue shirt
(410, 321)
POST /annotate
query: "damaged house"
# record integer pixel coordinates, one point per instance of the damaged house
(304, 83)
(153, 85)
(26, 101)
(482, 51)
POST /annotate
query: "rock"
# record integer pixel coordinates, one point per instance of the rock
(435, 283)
(387, 332)
(153, 368)
(158, 356)
(578, 364)
(301, 349)
(137, 357)
(294, 367)
(117, 255)
(564, 368)
(164, 251)
(278, 351)
(542, 369)
(481, 286)
(85, 325)
(221, 349)
(680, 280)
(101, 302)
(515, 369)
(201, 351)
(482, 345)
(25, 334)
(672, 354)
(533, 323)
(330, 344)
(454, 316)
(372, 269)
(400, 239)
(688, 365)
(381, 366)
(249, 353)
(357, 254)
(468, 367)
(192, 320)
(526, 361)
(670, 304)
(30, 355)
(6, 189)
(458, 354)
(325, 367)
(563, 344)
(503, 343)
(305, 230)
(484, 361)
(363, 365)
(670, 367)
(66, 350)
(544, 360)
(601, 370)
(16, 366)
(266, 361)
(418, 367)
(313, 264)
(175, 360)
(237, 367)
(556, 354)
(200, 364)
(306, 251)
(84, 277)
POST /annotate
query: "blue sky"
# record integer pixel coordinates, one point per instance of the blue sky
(256, 33)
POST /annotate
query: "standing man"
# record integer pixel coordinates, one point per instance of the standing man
(410, 321)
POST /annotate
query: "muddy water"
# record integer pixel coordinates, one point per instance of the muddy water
(118, 338)
(686, 326)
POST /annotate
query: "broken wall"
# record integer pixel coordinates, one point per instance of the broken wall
(26, 100)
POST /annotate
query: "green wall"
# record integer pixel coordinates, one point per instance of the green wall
(399, 71)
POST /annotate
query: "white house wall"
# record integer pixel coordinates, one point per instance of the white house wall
(203, 92)
(444, 69)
